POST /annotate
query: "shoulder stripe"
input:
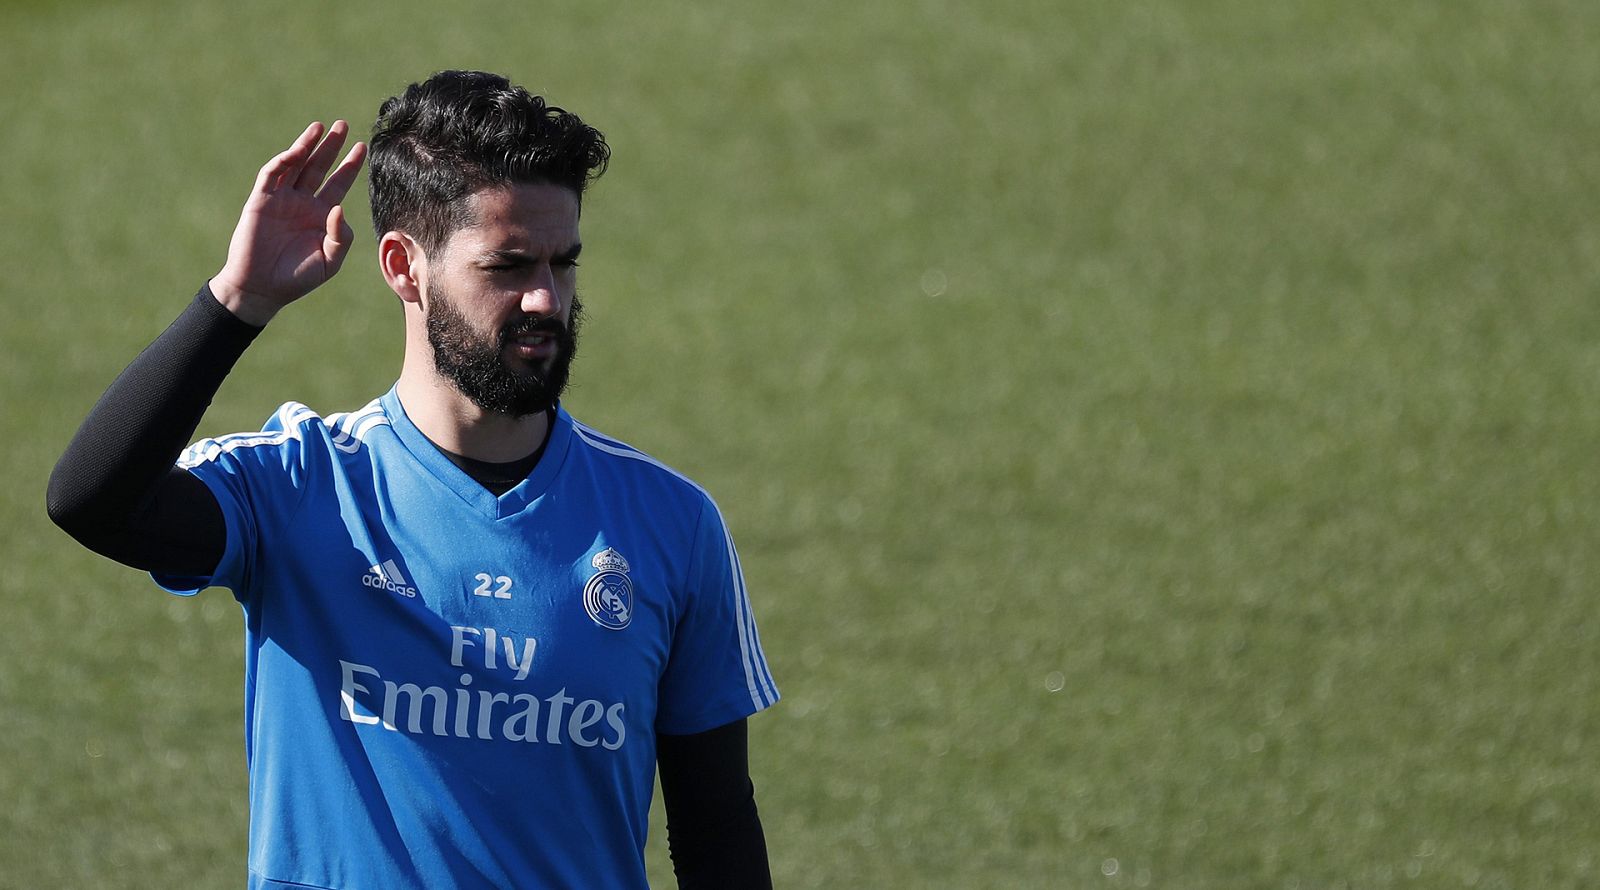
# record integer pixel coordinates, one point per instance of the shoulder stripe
(289, 416)
(768, 686)
(352, 428)
(211, 449)
(597, 436)
(758, 677)
(341, 424)
(362, 429)
(601, 443)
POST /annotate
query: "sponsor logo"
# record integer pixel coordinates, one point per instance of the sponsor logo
(368, 697)
(387, 576)
(608, 596)
(494, 698)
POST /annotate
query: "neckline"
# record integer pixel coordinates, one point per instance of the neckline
(502, 476)
(441, 467)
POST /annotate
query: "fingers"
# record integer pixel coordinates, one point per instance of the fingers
(322, 157)
(339, 183)
(284, 168)
(303, 164)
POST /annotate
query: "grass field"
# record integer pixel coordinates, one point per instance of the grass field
(1156, 432)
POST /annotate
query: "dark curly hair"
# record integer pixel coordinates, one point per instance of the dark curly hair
(461, 131)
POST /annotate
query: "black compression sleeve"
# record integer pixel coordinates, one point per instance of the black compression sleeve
(115, 488)
(713, 830)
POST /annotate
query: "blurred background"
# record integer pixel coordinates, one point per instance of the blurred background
(1155, 431)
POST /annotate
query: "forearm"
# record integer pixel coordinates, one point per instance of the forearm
(714, 833)
(114, 488)
(726, 852)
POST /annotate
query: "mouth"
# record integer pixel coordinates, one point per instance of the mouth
(540, 346)
(540, 342)
(534, 346)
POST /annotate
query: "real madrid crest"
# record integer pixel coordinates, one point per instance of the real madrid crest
(608, 597)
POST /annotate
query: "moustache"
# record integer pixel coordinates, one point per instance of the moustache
(530, 325)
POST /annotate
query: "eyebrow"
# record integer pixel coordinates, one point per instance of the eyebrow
(514, 255)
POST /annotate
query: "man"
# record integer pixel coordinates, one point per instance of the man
(474, 626)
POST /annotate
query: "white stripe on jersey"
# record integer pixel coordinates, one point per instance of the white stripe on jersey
(758, 677)
(369, 423)
(289, 417)
(744, 601)
(344, 439)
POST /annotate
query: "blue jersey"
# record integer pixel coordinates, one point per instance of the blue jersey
(445, 688)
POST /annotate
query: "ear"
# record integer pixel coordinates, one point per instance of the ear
(403, 264)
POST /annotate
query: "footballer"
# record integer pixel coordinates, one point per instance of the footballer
(474, 626)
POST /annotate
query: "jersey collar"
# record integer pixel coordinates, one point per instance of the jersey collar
(455, 479)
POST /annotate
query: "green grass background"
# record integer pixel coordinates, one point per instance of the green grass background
(1160, 434)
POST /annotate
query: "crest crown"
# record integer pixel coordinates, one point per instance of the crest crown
(609, 560)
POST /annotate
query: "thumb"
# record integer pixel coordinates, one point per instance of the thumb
(336, 239)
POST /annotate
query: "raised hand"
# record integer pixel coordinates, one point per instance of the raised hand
(292, 235)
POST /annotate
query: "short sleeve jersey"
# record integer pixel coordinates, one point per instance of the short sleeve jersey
(445, 688)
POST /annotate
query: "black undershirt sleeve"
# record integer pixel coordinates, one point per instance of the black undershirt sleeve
(713, 830)
(115, 488)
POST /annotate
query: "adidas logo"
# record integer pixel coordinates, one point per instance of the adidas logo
(387, 576)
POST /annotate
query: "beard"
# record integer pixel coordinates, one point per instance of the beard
(478, 368)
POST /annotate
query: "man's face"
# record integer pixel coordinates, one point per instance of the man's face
(501, 304)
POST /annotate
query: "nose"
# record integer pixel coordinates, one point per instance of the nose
(540, 297)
